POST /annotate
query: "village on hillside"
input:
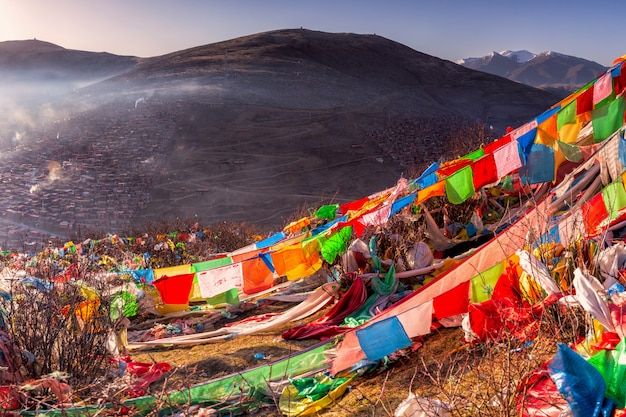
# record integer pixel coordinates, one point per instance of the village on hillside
(91, 178)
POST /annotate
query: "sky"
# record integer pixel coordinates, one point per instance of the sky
(447, 29)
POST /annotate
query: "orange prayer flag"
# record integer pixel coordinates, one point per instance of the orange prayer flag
(256, 276)
(294, 263)
(549, 126)
(436, 190)
(298, 225)
(240, 257)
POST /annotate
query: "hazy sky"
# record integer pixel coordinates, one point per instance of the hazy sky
(448, 29)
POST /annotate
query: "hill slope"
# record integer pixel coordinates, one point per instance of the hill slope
(25, 60)
(251, 129)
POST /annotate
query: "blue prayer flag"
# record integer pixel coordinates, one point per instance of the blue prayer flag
(383, 338)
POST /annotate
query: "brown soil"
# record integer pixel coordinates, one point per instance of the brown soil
(378, 392)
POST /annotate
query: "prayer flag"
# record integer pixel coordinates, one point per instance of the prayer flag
(594, 213)
(435, 190)
(171, 271)
(450, 168)
(336, 244)
(174, 289)
(525, 136)
(619, 79)
(584, 102)
(452, 302)
(383, 338)
(353, 205)
(602, 88)
(607, 119)
(548, 114)
(416, 321)
(296, 226)
(614, 198)
(429, 176)
(460, 185)
(475, 155)
(484, 171)
(483, 284)
(377, 217)
(566, 115)
(507, 159)
(578, 382)
(327, 211)
(242, 256)
(548, 128)
(569, 133)
(271, 240)
(621, 149)
(497, 144)
(142, 275)
(402, 203)
(539, 167)
(215, 281)
(571, 152)
(210, 264)
(294, 263)
(256, 276)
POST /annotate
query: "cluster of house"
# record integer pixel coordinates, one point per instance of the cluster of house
(88, 173)
(413, 142)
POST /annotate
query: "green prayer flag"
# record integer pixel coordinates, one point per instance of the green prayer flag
(607, 119)
(475, 155)
(614, 197)
(483, 284)
(460, 185)
(335, 244)
(571, 152)
(507, 184)
(385, 286)
(566, 115)
(227, 297)
(612, 366)
(210, 264)
(327, 212)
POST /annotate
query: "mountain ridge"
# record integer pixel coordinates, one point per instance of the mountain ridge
(549, 70)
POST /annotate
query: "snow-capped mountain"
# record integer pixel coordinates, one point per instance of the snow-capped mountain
(547, 70)
(520, 57)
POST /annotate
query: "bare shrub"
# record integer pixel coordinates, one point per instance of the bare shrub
(59, 327)
(487, 379)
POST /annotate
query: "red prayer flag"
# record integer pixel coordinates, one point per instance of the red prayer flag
(452, 167)
(584, 102)
(619, 82)
(484, 171)
(175, 289)
(594, 212)
(452, 302)
(491, 147)
(353, 205)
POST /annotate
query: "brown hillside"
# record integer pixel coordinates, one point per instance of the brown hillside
(253, 129)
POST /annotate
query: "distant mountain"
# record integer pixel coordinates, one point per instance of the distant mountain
(552, 71)
(32, 69)
(250, 129)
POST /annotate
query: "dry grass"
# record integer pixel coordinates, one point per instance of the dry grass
(480, 379)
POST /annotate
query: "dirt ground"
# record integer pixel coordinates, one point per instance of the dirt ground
(378, 392)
